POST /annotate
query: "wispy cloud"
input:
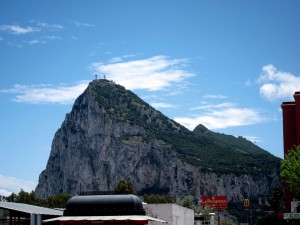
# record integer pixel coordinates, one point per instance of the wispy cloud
(37, 94)
(50, 26)
(222, 115)
(120, 58)
(276, 84)
(215, 96)
(214, 106)
(160, 105)
(42, 40)
(32, 42)
(80, 24)
(116, 59)
(152, 96)
(17, 30)
(45, 31)
(10, 185)
(253, 139)
(152, 74)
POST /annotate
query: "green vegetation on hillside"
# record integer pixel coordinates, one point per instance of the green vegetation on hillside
(205, 149)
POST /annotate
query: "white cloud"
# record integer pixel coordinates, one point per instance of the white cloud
(253, 139)
(79, 24)
(37, 94)
(158, 105)
(276, 84)
(120, 58)
(37, 26)
(147, 97)
(214, 106)
(116, 59)
(11, 184)
(43, 40)
(50, 26)
(153, 74)
(221, 115)
(215, 96)
(16, 29)
(52, 37)
(32, 42)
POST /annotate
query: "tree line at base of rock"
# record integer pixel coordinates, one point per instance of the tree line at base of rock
(60, 200)
(290, 168)
(126, 187)
(56, 201)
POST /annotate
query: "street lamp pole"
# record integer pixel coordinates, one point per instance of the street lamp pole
(218, 213)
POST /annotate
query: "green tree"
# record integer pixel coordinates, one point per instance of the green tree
(276, 201)
(204, 211)
(158, 199)
(58, 201)
(11, 197)
(290, 170)
(26, 197)
(125, 187)
(187, 201)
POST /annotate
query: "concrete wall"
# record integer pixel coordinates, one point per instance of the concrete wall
(172, 213)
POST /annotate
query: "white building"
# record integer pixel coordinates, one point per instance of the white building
(172, 213)
(200, 220)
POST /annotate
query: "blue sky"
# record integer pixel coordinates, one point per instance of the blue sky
(226, 64)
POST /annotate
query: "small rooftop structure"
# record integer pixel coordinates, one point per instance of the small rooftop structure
(104, 209)
(104, 205)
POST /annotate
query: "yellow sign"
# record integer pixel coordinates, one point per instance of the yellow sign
(246, 203)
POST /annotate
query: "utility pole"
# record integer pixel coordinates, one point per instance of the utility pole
(218, 213)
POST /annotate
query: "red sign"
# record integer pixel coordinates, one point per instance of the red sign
(214, 202)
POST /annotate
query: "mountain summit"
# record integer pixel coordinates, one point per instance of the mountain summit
(111, 134)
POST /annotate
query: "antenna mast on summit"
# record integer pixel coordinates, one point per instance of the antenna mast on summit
(96, 76)
(104, 77)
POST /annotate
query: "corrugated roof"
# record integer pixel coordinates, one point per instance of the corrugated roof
(31, 209)
(105, 218)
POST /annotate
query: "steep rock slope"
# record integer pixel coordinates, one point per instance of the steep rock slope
(111, 134)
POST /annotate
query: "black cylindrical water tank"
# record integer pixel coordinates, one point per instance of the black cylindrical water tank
(104, 205)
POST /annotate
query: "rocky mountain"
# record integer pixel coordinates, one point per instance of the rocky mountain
(111, 134)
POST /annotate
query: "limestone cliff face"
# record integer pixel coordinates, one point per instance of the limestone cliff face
(94, 149)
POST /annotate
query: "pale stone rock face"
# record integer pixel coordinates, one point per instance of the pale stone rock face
(92, 151)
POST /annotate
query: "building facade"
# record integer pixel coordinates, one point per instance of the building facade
(291, 135)
(172, 213)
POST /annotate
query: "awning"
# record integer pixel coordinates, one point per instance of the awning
(105, 218)
(30, 209)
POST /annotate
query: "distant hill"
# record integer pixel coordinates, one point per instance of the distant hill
(234, 154)
(112, 134)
